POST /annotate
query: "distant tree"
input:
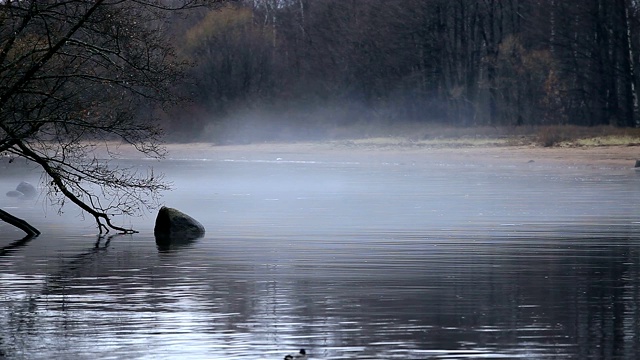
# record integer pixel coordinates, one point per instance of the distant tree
(79, 74)
(232, 52)
(596, 45)
(466, 63)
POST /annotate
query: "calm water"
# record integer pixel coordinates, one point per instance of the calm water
(349, 260)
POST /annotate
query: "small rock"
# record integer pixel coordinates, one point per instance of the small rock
(24, 191)
(14, 194)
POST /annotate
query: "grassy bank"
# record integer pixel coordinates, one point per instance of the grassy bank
(440, 136)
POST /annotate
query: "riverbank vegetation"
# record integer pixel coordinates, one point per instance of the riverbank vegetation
(484, 136)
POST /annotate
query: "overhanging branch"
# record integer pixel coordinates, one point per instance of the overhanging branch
(19, 223)
(102, 219)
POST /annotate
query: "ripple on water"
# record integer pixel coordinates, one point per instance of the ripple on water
(352, 261)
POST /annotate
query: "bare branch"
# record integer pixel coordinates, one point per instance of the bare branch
(79, 72)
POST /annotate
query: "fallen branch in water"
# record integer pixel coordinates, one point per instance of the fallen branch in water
(19, 223)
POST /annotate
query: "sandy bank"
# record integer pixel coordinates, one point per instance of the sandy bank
(595, 157)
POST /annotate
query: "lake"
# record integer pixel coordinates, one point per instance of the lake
(369, 259)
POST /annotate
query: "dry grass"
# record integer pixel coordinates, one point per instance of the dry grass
(549, 136)
(446, 136)
(392, 142)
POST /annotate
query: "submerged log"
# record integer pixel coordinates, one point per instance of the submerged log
(19, 223)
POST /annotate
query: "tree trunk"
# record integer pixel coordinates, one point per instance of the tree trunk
(629, 102)
(19, 223)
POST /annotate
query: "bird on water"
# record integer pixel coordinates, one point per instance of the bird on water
(302, 355)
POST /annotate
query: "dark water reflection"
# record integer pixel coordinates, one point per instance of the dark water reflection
(348, 260)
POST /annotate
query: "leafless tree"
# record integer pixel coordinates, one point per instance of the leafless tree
(466, 63)
(80, 74)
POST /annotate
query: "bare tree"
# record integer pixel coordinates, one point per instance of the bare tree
(79, 74)
(488, 62)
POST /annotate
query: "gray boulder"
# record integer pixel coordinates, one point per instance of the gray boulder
(24, 191)
(27, 189)
(173, 226)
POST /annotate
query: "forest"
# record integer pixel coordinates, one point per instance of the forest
(315, 66)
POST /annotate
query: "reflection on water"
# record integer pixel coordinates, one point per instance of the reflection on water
(347, 260)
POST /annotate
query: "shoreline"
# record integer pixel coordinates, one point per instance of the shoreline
(611, 156)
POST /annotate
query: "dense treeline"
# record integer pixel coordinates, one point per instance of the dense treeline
(322, 64)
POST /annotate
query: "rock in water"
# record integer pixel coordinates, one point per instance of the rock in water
(24, 191)
(173, 226)
(14, 194)
(27, 189)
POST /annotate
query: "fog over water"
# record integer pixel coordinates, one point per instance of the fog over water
(370, 257)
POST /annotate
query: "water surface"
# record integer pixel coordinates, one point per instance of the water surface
(358, 260)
